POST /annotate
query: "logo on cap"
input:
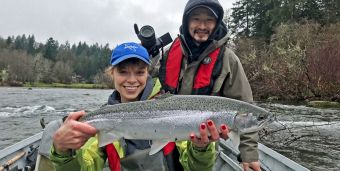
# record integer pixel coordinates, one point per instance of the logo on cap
(131, 47)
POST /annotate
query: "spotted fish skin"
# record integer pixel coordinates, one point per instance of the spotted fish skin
(173, 117)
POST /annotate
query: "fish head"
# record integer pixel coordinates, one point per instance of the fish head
(249, 122)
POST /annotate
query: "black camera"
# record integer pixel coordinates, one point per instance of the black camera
(148, 39)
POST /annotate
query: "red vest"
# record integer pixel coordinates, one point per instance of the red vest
(203, 76)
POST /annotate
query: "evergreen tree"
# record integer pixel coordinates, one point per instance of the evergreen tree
(20, 42)
(258, 18)
(31, 44)
(241, 14)
(9, 41)
(51, 49)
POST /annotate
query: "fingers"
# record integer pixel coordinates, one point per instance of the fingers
(254, 165)
(204, 134)
(72, 122)
(77, 142)
(75, 115)
(194, 139)
(82, 127)
(224, 131)
(209, 133)
(214, 134)
(70, 143)
(203, 139)
(245, 166)
(73, 134)
(67, 138)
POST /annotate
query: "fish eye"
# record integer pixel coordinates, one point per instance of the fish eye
(260, 118)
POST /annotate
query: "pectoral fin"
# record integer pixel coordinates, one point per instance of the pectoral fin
(157, 146)
(105, 138)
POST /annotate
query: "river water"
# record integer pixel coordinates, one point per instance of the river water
(306, 135)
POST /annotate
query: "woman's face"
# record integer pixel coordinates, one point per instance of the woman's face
(201, 24)
(130, 81)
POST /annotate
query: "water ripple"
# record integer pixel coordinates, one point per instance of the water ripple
(25, 111)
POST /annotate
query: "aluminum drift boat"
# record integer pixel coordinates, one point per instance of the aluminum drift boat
(23, 156)
(270, 160)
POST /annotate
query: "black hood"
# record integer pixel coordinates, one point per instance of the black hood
(219, 32)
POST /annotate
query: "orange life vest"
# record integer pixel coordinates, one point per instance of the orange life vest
(203, 79)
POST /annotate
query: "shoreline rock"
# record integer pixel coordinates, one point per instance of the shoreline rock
(324, 104)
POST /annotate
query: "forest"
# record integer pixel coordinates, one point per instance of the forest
(290, 50)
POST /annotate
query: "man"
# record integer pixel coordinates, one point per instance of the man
(198, 62)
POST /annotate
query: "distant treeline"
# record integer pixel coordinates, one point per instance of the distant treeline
(290, 50)
(22, 59)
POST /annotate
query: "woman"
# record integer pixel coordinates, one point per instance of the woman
(75, 145)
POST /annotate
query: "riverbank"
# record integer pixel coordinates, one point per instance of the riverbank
(324, 104)
(54, 85)
(60, 85)
(316, 104)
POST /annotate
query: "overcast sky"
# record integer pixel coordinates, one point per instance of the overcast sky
(102, 21)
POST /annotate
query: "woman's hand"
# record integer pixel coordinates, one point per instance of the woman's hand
(207, 129)
(72, 134)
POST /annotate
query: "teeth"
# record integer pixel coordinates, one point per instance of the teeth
(131, 87)
(202, 32)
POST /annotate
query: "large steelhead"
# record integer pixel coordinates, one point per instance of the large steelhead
(172, 117)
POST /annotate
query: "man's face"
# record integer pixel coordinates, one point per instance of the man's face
(201, 24)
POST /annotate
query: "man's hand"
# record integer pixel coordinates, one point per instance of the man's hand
(253, 165)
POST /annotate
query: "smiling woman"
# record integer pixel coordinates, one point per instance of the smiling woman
(129, 70)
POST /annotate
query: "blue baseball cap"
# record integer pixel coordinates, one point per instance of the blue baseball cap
(129, 50)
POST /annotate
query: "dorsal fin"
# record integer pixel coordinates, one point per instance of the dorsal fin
(163, 96)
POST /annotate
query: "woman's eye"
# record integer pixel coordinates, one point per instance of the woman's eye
(140, 72)
(122, 72)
